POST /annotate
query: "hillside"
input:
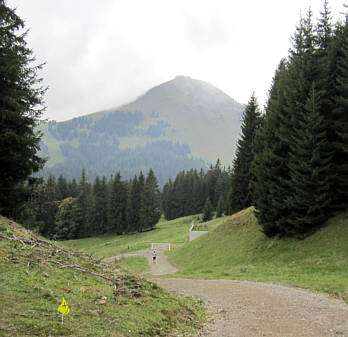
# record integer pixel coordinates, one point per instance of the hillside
(178, 125)
(35, 274)
(243, 252)
(174, 232)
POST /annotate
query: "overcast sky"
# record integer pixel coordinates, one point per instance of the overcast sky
(101, 54)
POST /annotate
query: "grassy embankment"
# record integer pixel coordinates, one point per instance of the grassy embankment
(237, 249)
(35, 274)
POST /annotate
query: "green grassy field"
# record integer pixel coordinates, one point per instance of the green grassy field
(137, 264)
(36, 274)
(237, 249)
(174, 232)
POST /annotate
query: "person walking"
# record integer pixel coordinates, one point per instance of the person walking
(154, 257)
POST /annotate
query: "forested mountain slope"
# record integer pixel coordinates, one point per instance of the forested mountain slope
(178, 125)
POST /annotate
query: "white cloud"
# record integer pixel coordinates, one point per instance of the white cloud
(101, 54)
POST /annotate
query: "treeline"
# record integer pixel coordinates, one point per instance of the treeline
(64, 209)
(166, 159)
(292, 164)
(192, 191)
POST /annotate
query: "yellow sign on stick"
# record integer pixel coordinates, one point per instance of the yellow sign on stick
(63, 308)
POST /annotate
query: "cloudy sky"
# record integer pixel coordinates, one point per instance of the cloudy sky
(101, 54)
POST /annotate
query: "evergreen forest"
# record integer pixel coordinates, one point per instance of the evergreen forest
(191, 190)
(62, 209)
(292, 162)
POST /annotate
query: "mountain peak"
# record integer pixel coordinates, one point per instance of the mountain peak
(189, 91)
(182, 77)
(177, 125)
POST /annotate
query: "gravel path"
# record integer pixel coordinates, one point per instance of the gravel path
(161, 267)
(252, 309)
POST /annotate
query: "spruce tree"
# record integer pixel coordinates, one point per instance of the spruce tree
(62, 190)
(134, 204)
(150, 213)
(100, 205)
(197, 191)
(65, 226)
(269, 166)
(323, 40)
(177, 205)
(73, 189)
(240, 195)
(220, 207)
(222, 185)
(210, 180)
(117, 222)
(83, 209)
(166, 199)
(304, 102)
(303, 142)
(338, 126)
(45, 207)
(208, 211)
(310, 170)
(21, 107)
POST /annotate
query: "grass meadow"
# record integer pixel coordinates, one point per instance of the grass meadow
(175, 232)
(235, 248)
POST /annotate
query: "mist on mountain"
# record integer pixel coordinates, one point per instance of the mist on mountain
(178, 125)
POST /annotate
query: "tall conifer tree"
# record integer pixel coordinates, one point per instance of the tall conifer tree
(303, 138)
(83, 209)
(100, 205)
(117, 222)
(151, 212)
(310, 170)
(269, 169)
(240, 195)
(20, 107)
(338, 128)
(65, 225)
(134, 204)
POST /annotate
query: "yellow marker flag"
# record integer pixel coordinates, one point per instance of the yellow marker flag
(63, 308)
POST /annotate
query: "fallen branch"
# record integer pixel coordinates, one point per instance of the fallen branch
(38, 242)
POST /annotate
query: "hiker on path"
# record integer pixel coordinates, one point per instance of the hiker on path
(154, 256)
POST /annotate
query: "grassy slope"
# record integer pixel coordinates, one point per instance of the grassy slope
(174, 232)
(35, 275)
(318, 262)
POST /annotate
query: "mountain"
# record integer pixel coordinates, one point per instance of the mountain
(178, 125)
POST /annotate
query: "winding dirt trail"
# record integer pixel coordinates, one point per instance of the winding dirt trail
(161, 267)
(252, 309)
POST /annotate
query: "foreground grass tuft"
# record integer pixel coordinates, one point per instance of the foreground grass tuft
(104, 300)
